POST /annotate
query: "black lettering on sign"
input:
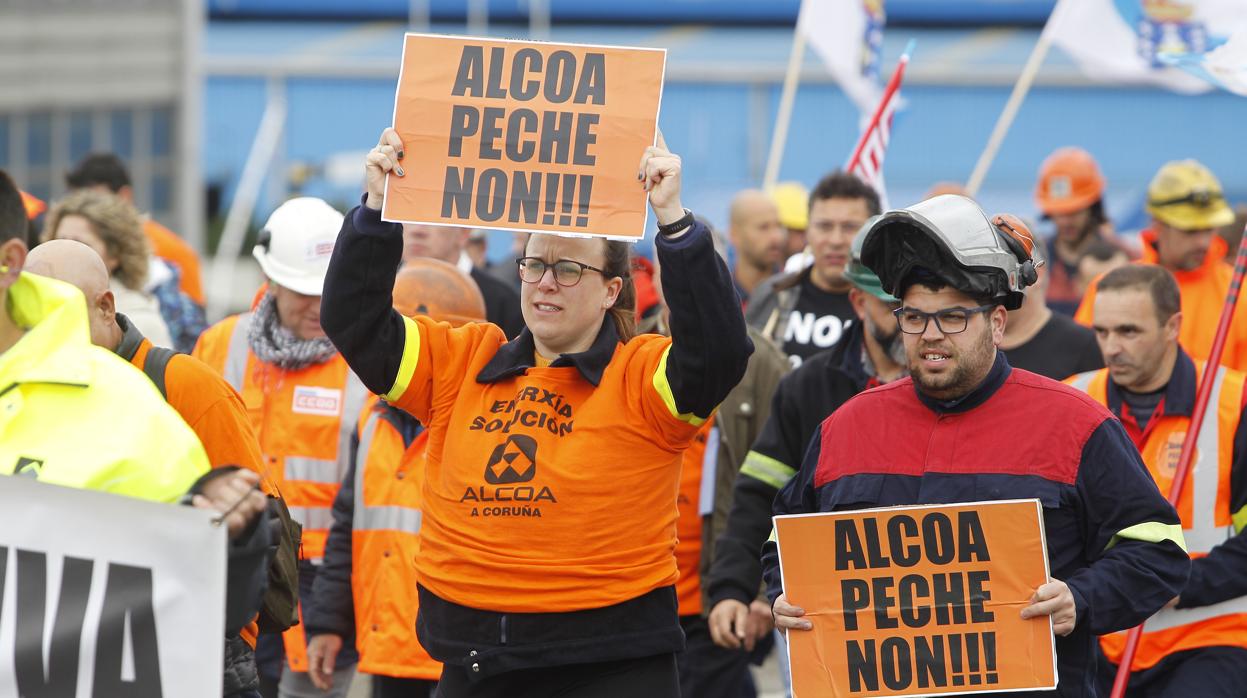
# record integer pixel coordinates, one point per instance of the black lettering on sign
(848, 546)
(884, 600)
(914, 613)
(59, 679)
(900, 528)
(128, 604)
(971, 543)
(855, 596)
(897, 670)
(564, 79)
(950, 599)
(863, 666)
(491, 131)
(457, 193)
(929, 661)
(979, 596)
(937, 534)
(464, 121)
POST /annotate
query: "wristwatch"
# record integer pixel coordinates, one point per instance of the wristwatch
(678, 226)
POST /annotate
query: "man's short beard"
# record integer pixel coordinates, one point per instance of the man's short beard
(973, 364)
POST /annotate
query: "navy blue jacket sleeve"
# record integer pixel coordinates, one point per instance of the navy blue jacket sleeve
(797, 497)
(356, 308)
(709, 346)
(737, 572)
(1130, 577)
(1221, 575)
(334, 607)
(737, 568)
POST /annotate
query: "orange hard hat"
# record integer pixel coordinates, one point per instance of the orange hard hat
(438, 290)
(1069, 181)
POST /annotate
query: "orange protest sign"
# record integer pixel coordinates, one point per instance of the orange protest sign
(524, 136)
(917, 601)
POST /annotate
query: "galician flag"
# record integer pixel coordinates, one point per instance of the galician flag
(1156, 42)
(848, 36)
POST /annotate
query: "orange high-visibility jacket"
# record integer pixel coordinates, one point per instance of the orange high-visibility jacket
(168, 246)
(304, 420)
(1205, 505)
(385, 543)
(1203, 296)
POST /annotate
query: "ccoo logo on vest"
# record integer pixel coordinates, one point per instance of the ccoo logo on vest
(512, 463)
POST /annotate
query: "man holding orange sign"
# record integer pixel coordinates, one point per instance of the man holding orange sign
(965, 427)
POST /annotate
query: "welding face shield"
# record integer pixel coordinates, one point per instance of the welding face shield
(950, 236)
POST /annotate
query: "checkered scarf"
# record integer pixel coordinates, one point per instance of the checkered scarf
(274, 344)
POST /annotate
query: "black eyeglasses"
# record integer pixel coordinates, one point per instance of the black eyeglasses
(947, 321)
(567, 272)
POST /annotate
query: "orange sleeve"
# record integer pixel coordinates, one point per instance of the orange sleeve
(1084, 315)
(216, 414)
(437, 360)
(646, 381)
(167, 245)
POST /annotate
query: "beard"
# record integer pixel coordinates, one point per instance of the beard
(970, 365)
(893, 345)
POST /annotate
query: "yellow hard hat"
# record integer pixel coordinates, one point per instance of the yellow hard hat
(1187, 196)
(793, 202)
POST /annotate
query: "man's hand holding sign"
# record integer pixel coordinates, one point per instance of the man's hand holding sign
(920, 600)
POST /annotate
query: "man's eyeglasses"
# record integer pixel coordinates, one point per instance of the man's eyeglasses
(947, 321)
(567, 272)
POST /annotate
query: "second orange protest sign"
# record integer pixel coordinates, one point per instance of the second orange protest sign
(524, 136)
(917, 601)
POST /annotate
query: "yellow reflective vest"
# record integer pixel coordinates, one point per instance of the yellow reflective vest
(75, 414)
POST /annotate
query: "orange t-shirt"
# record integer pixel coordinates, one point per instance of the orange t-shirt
(168, 246)
(689, 526)
(543, 493)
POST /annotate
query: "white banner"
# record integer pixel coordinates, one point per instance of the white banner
(104, 596)
(1136, 41)
(848, 36)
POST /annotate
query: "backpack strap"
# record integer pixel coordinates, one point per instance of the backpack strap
(155, 364)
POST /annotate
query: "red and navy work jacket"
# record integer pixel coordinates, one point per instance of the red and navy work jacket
(1111, 536)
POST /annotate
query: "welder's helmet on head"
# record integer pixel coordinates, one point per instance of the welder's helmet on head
(950, 238)
(437, 289)
(861, 275)
(1187, 196)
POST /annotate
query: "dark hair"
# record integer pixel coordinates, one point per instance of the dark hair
(1102, 250)
(623, 312)
(1154, 279)
(13, 221)
(99, 169)
(934, 281)
(842, 185)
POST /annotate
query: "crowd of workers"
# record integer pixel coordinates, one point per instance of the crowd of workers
(556, 476)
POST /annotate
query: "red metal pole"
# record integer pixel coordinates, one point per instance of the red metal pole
(1188, 443)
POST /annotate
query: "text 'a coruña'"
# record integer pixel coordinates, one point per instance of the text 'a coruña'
(514, 135)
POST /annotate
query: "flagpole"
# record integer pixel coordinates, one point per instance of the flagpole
(894, 84)
(779, 137)
(1020, 89)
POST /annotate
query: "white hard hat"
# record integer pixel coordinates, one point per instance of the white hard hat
(296, 243)
(951, 237)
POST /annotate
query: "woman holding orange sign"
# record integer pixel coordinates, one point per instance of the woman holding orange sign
(546, 564)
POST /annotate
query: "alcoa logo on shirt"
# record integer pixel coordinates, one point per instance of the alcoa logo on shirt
(326, 402)
(511, 464)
